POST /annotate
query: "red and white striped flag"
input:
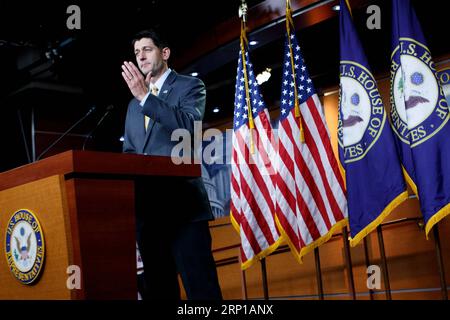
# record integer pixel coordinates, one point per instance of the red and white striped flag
(310, 195)
(253, 176)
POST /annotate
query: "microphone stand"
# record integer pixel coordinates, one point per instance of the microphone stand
(66, 132)
(108, 109)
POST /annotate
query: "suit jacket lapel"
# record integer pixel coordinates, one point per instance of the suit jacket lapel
(163, 95)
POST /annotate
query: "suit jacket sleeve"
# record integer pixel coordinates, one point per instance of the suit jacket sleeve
(190, 107)
(128, 145)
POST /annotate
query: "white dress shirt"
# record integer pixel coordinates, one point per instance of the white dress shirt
(159, 83)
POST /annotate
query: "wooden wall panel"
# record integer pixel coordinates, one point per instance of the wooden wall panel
(230, 281)
(289, 278)
(411, 263)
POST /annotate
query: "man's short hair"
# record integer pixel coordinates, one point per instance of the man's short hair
(157, 37)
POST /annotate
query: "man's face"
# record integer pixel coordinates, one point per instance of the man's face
(149, 57)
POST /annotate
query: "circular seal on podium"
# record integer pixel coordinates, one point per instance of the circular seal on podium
(25, 248)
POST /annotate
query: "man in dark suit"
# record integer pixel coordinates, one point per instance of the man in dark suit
(172, 214)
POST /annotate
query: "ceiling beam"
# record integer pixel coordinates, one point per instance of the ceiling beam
(265, 23)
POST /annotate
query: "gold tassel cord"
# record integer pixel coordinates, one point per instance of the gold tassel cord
(289, 23)
(349, 8)
(247, 92)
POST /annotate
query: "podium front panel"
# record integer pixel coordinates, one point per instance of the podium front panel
(47, 201)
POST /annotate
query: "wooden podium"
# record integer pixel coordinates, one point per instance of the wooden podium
(85, 204)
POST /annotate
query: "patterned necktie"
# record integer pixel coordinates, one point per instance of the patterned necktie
(154, 91)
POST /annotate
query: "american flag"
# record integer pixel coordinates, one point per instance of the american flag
(310, 197)
(253, 176)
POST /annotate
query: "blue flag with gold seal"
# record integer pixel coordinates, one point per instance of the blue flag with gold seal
(444, 78)
(419, 114)
(367, 151)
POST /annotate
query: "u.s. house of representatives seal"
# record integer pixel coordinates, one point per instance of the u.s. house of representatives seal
(25, 247)
(362, 115)
(419, 109)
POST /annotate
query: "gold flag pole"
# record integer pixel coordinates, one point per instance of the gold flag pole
(289, 24)
(244, 42)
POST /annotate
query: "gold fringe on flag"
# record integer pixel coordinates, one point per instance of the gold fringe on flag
(349, 8)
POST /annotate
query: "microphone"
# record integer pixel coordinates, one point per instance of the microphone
(92, 109)
(108, 109)
(55, 52)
